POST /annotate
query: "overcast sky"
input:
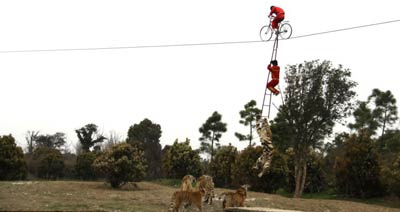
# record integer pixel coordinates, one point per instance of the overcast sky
(176, 87)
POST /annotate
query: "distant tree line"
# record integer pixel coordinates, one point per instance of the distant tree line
(363, 161)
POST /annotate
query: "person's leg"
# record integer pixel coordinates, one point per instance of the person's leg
(274, 24)
(279, 18)
(271, 86)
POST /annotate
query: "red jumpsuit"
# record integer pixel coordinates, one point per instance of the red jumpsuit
(279, 16)
(275, 78)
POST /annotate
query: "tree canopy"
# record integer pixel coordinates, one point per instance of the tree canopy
(248, 118)
(211, 131)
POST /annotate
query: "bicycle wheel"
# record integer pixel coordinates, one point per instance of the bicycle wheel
(285, 31)
(265, 33)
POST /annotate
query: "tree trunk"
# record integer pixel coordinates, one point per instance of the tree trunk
(384, 124)
(212, 147)
(251, 134)
(300, 171)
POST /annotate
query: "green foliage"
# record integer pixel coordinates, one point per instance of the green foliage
(56, 141)
(385, 108)
(221, 168)
(12, 162)
(123, 163)
(364, 119)
(211, 131)
(69, 166)
(50, 164)
(88, 136)
(145, 131)
(249, 116)
(147, 135)
(333, 150)
(272, 181)
(317, 95)
(283, 134)
(180, 160)
(316, 177)
(390, 176)
(358, 171)
(83, 167)
(389, 142)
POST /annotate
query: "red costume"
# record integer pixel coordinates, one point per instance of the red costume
(279, 16)
(275, 78)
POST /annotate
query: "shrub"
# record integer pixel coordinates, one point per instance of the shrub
(222, 166)
(83, 167)
(122, 163)
(358, 172)
(12, 162)
(391, 177)
(69, 165)
(180, 160)
(50, 164)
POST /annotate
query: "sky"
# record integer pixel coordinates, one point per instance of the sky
(176, 87)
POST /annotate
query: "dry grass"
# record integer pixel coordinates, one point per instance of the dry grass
(147, 197)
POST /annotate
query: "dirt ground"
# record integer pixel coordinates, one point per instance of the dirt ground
(146, 197)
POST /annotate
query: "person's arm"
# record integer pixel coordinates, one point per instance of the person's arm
(270, 67)
(272, 12)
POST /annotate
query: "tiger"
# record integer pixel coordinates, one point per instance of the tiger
(206, 184)
(187, 183)
(265, 133)
(191, 197)
(235, 199)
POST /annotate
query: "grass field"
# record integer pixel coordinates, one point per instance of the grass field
(147, 197)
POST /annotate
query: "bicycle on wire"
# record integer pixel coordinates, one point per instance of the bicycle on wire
(285, 30)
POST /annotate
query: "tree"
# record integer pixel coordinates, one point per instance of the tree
(83, 167)
(248, 115)
(317, 95)
(88, 136)
(50, 164)
(223, 165)
(179, 160)
(123, 163)
(12, 162)
(30, 138)
(358, 171)
(364, 119)
(147, 135)
(385, 108)
(211, 131)
(56, 141)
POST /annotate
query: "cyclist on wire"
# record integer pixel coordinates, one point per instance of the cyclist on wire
(274, 69)
(279, 16)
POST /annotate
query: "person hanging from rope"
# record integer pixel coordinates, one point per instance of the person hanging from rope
(274, 69)
(279, 16)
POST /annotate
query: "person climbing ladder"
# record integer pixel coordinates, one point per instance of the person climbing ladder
(274, 69)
